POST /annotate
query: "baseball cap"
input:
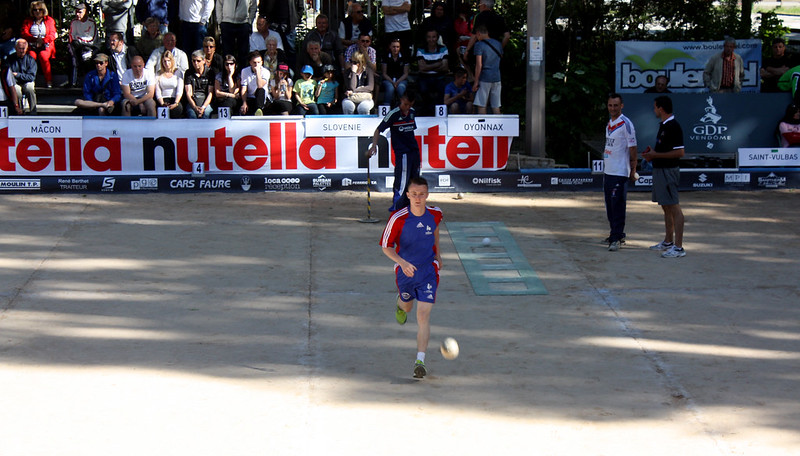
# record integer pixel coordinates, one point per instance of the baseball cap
(100, 57)
(80, 6)
(283, 67)
(308, 69)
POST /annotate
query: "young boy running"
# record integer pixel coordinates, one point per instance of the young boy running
(411, 240)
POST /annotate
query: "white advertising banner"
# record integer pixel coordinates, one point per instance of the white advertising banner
(638, 63)
(263, 145)
(341, 126)
(769, 157)
(45, 127)
(493, 125)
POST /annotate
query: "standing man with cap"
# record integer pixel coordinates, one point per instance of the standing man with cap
(619, 167)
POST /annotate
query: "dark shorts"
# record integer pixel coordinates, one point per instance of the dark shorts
(421, 287)
(665, 186)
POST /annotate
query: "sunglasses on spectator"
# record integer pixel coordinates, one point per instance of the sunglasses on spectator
(365, 41)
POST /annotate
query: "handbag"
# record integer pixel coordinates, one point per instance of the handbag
(358, 97)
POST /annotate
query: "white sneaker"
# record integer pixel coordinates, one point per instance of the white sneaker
(614, 246)
(662, 246)
(674, 252)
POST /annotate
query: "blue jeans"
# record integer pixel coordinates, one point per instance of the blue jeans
(192, 114)
(389, 91)
(192, 34)
(236, 41)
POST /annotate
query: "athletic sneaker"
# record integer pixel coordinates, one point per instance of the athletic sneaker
(258, 112)
(674, 252)
(400, 315)
(608, 240)
(419, 369)
(663, 245)
(614, 246)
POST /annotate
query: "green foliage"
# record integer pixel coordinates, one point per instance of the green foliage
(770, 27)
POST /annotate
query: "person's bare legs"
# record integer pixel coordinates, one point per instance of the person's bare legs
(675, 215)
(669, 225)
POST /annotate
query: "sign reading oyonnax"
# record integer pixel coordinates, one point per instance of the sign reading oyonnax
(265, 145)
(769, 157)
(341, 126)
(45, 127)
(494, 125)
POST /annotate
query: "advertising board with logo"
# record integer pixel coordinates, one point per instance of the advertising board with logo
(769, 158)
(638, 63)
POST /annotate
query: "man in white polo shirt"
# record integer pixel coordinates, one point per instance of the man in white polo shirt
(619, 166)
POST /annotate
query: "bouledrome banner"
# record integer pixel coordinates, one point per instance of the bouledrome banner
(36, 146)
(638, 63)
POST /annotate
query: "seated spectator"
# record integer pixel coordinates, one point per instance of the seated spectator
(255, 79)
(101, 90)
(199, 88)
(227, 86)
(23, 67)
(463, 28)
(327, 93)
(439, 21)
(394, 71)
(258, 39)
(661, 85)
(433, 69)
(789, 127)
(775, 66)
(304, 93)
(214, 61)
(151, 37)
(83, 42)
(7, 39)
(329, 42)
(363, 46)
(281, 88)
(313, 56)
(156, 9)
(396, 23)
(354, 25)
(138, 90)
(458, 94)
(170, 86)
(361, 83)
(273, 55)
(39, 30)
(8, 96)
(169, 43)
(120, 55)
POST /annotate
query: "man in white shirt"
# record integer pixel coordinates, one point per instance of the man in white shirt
(396, 23)
(254, 81)
(619, 167)
(194, 16)
(138, 90)
(181, 59)
(258, 39)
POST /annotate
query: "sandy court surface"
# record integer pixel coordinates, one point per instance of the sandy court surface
(208, 324)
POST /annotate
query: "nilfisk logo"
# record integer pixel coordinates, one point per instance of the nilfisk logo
(710, 128)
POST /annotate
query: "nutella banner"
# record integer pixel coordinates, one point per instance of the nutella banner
(247, 145)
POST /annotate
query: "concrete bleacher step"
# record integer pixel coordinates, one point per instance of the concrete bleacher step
(57, 100)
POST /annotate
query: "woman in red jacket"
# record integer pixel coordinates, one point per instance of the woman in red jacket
(39, 29)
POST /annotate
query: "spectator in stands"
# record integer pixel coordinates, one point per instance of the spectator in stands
(661, 85)
(285, 15)
(138, 90)
(394, 71)
(158, 9)
(354, 25)
(304, 94)
(487, 87)
(236, 19)
(101, 90)
(494, 23)
(83, 42)
(458, 94)
(194, 15)
(39, 30)
(227, 86)
(199, 88)
(463, 28)
(151, 37)
(314, 56)
(360, 84)
(329, 42)
(23, 67)
(433, 69)
(281, 88)
(258, 39)
(789, 127)
(7, 39)
(363, 46)
(169, 43)
(169, 86)
(775, 66)
(8, 96)
(118, 17)
(724, 71)
(396, 23)
(439, 21)
(214, 61)
(273, 55)
(255, 80)
(120, 55)
(327, 92)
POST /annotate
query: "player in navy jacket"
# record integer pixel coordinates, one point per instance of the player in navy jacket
(411, 240)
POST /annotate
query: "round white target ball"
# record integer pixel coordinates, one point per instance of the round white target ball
(449, 348)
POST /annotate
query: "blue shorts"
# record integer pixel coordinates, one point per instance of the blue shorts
(421, 287)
